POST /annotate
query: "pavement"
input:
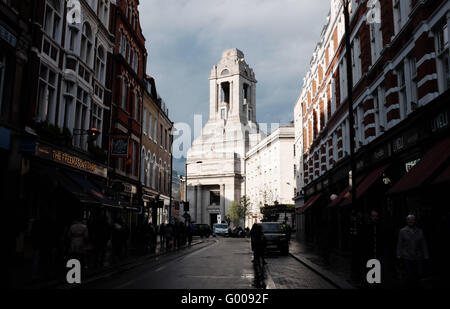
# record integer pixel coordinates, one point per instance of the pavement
(335, 269)
(130, 261)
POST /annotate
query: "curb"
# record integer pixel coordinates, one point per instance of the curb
(325, 274)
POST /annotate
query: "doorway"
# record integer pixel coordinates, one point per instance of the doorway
(212, 219)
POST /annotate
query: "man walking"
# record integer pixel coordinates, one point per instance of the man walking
(412, 250)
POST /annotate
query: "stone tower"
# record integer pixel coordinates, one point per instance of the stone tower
(215, 162)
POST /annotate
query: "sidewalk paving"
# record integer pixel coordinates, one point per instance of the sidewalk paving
(131, 260)
(331, 266)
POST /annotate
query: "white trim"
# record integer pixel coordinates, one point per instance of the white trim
(427, 78)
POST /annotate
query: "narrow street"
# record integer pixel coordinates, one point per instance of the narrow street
(218, 263)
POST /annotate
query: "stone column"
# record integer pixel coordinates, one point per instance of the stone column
(222, 201)
(199, 205)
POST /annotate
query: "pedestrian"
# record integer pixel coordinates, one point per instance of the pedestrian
(78, 238)
(169, 236)
(412, 250)
(258, 244)
(162, 235)
(117, 240)
(189, 232)
(101, 237)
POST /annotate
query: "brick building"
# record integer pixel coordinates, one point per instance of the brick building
(401, 78)
(128, 71)
(156, 154)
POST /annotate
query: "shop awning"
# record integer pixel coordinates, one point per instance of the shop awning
(424, 170)
(344, 194)
(89, 188)
(443, 177)
(310, 202)
(366, 184)
(66, 183)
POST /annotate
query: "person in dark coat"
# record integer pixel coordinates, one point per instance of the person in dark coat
(258, 242)
(412, 250)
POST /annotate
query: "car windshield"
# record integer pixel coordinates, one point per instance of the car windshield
(271, 228)
(220, 226)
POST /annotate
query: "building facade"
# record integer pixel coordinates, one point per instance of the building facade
(400, 73)
(156, 155)
(216, 160)
(128, 72)
(269, 172)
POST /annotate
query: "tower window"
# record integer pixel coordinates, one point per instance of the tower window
(223, 113)
(225, 92)
(246, 93)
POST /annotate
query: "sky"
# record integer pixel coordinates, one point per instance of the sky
(186, 38)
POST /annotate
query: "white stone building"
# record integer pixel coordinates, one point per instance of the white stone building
(216, 160)
(270, 172)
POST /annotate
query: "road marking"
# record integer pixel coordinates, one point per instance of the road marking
(160, 268)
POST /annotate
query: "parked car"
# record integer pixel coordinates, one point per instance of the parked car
(236, 232)
(202, 230)
(276, 238)
(220, 229)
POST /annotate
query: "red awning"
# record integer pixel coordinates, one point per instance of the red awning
(422, 171)
(366, 184)
(344, 194)
(310, 202)
(444, 176)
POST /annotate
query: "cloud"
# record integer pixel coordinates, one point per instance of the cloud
(185, 38)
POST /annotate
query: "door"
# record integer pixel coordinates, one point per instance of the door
(213, 219)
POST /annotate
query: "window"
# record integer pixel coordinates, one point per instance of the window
(161, 135)
(376, 41)
(52, 19)
(356, 61)
(149, 169)
(86, 44)
(81, 118)
(442, 57)
(214, 197)
(97, 120)
(155, 131)
(47, 94)
(100, 65)
(149, 128)
(73, 33)
(136, 106)
(225, 92)
(402, 91)
(144, 121)
(223, 113)
(135, 160)
(412, 76)
(165, 139)
(142, 176)
(401, 12)
(343, 79)
(103, 11)
(154, 172)
(2, 79)
(124, 94)
(249, 114)
(380, 116)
